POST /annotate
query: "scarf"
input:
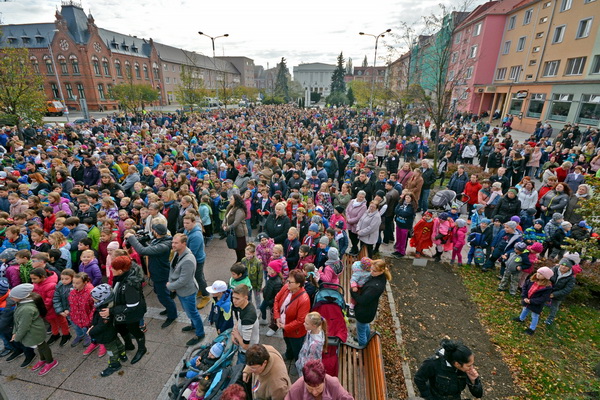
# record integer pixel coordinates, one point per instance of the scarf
(24, 271)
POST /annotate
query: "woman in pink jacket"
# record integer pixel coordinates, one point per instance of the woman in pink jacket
(355, 210)
(316, 384)
(442, 235)
(44, 284)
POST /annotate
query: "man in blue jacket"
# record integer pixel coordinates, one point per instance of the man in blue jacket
(503, 244)
(195, 243)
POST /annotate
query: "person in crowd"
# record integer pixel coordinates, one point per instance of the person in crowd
(536, 292)
(266, 372)
(235, 221)
(367, 228)
(315, 383)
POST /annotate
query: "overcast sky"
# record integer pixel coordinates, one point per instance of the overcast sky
(264, 30)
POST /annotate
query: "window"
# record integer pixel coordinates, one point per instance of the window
(527, 17)
(137, 71)
(39, 39)
(539, 35)
(516, 104)
(469, 73)
(559, 109)
(596, 66)
(464, 95)
(101, 91)
(559, 34)
(506, 48)
(566, 5)
(127, 70)
(146, 76)
(174, 80)
(55, 92)
(96, 64)
(590, 109)
(74, 65)
(70, 94)
(35, 64)
(155, 71)
(547, 4)
(49, 66)
(80, 91)
(165, 67)
(473, 52)
(106, 68)
(575, 66)
(173, 68)
(118, 69)
(543, 20)
(514, 73)
(511, 22)
(63, 65)
(536, 105)
(551, 68)
(521, 43)
(532, 62)
(109, 89)
(536, 49)
(454, 57)
(583, 31)
(167, 80)
(457, 38)
(477, 30)
(501, 74)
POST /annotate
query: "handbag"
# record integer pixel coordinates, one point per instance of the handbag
(231, 239)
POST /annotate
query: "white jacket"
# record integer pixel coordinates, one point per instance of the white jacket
(470, 151)
(528, 200)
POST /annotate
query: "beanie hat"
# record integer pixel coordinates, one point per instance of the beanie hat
(380, 193)
(101, 292)
(217, 349)
(537, 247)
(516, 219)
(160, 229)
(339, 209)
(566, 225)
(511, 224)
(8, 254)
(461, 223)
(443, 216)
(546, 272)
(531, 211)
(316, 219)
(513, 190)
(320, 210)
(557, 217)
(3, 286)
(333, 254)
(566, 262)
(324, 240)
(313, 227)
(366, 262)
(21, 291)
(485, 221)
(262, 236)
(539, 221)
(521, 246)
(276, 265)
(113, 246)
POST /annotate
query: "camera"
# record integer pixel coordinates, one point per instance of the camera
(143, 237)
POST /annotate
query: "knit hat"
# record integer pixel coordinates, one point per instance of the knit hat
(546, 272)
(101, 292)
(485, 221)
(8, 254)
(339, 224)
(3, 286)
(262, 236)
(443, 216)
(380, 193)
(313, 227)
(333, 254)
(521, 246)
(511, 224)
(276, 265)
(316, 219)
(160, 229)
(531, 211)
(21, 291)
(516, 219)
(339, 209)
(461, 223)
(566, 225)
(366, 262)
(566, 263)
(557, 217)
(477, 206)
(324, 240)
(320, 210)
(497, 185)
(217, 349)
(113, 245)
(513, 190)
(539, 221)
(537, 247)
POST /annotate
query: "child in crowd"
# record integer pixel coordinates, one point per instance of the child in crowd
(304, 256)
(264, 250)
(361, 272)
(442, 235)
(291, 247)
(278, 255)
(44, 284)
(220, 311)
(421, 238)
(479, 241)
(454, 213)
(315, 342)
(23, 258)
(563, 283)
(55, 261)
(329, 272)
(534, 250)
(341, 237)
(39, 242)
(6, 317)
(536, 292)
(517, 261)
(205, 359)
(459, 234)
(60, 300)
(477, 215)
(312, 280)
(321, 252)
(338, 216)
(255, 271)
(273, 285)
(89, 265)
(239, 276)
(81, 311)
(312, 238)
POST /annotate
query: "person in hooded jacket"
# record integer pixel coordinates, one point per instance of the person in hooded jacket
(44, 284)
(563, 283)
(508, 206)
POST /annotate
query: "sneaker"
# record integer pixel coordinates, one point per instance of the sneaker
(195, 340)
(87, 340)
(53, 339)
(271, 332)
(111, 369)
(102, 351)
(38, 365)
(64, 340)
(48, 367)
(351, 313)
(260, 322)
(90, 349)
(167, 323)
(28, 360)
(76, 341)
(188, 328)
(202, 302)
(529, 331)
(16, 353)
(123, 357)
(517, 319)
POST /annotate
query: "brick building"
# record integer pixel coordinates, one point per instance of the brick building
(90, 60)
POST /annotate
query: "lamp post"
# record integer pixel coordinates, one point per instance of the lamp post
(382, 34)
(212, 39)
(60, 91)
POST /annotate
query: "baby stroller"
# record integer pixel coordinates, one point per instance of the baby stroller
(219, 381)
(329, 302)
(229, 350)
(446, 199)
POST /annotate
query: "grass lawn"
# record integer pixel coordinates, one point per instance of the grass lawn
(555, 363)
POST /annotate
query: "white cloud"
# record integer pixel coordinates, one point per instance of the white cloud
(264, 30)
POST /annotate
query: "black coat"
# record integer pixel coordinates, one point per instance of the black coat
(272, 287)
(367, 299)
(438, 381)
(173, 218)
(277, 227)
(158, 251)
(128, 291)
(563, 286)
(506, 208)
(429, 178)
(539, 298)
(291, 252)
(103, 330)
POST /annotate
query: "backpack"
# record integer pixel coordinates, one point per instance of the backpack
(479, 256)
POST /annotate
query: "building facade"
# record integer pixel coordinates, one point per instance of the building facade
(315, 77)
(80, 61)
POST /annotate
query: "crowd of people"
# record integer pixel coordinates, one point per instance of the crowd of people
(88, 213)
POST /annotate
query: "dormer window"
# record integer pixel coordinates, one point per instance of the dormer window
(134, 48)
(124, 47)
(26, 39)
(39, 39)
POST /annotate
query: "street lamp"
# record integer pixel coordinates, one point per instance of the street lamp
(212, 39)
(60, 91)
(382, 34)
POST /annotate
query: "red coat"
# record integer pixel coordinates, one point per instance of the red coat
(421, 238)
(49, 223)
(472, 190)
(289, 210)
(46, 290)
(81, 306)
(295, 313)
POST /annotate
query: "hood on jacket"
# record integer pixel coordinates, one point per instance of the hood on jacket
(333, 256)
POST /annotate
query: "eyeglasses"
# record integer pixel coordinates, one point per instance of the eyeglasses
(288, 281)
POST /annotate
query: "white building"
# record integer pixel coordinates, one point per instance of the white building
(316, 77)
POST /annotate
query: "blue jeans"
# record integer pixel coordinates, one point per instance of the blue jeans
(164, 297)
(80, 331)
(6, 341)
(534, 317)
(363, 331)
(424, 200)
(189, 306)
(241, 358)
(554, 306)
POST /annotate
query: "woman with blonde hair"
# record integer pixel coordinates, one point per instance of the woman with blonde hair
(58, 203)
(58, 241)
(170, 210)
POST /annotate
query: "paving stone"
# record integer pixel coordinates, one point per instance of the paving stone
(68, 395)
(19, 389)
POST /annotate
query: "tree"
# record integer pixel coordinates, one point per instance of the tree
(361, 91)
(20, 94)
(281, 83)
(338, 85)
(365, 63)
(133, 97)
(590, 211)
(296, 90)
(349, 67)
(190, 92)
(350, 96)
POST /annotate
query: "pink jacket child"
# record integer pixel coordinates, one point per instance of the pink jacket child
(442, 225)
(264, 250)
(337, 216)
(45, 287)
(459, 234)
(114, 245)
(62, 205)
(534, 249)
